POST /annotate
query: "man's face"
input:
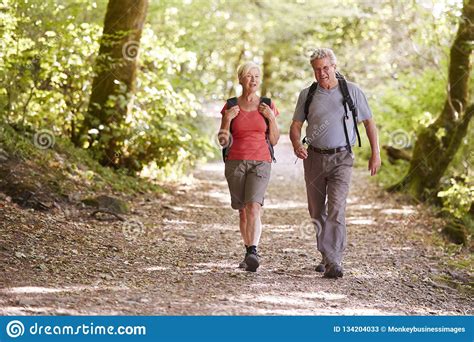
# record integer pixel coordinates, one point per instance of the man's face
(325, 72)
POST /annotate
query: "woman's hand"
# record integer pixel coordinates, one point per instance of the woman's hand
(231, 113)
(266, 111)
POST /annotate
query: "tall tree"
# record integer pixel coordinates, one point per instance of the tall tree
(114, 83)
(438, 143)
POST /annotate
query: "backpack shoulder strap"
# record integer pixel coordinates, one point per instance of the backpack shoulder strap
(345, 91)
(309, 98)
(347, 99)
(231, 102)
(266, 100)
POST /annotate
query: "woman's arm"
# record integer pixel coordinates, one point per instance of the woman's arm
(274, 132)
(227, 117)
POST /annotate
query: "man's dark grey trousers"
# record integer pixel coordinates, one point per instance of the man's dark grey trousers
(328, 178)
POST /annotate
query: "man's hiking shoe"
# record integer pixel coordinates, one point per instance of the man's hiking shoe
(333, 271)
(252, 261)
(320, 268)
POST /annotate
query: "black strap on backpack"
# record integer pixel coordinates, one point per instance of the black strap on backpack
(233, 102)
(225, 150)
(268, 102)
(346, 101)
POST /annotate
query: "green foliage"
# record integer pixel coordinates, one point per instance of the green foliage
(457, 199)
(414, 98)
(69, 168)
(162, 128)
(47, 65)
(47, 68)
(189, 54)
(408, 104)
(401, 108)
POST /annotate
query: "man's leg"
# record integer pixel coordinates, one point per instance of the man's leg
(333, 237)
(316, 194)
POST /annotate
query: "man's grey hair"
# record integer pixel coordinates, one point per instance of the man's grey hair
(323, 53)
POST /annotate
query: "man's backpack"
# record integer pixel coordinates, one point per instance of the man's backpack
(233, 102)
(346, 102)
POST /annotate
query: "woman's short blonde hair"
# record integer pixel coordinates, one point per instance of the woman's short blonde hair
(245, 68)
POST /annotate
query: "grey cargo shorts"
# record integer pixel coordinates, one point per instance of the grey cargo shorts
(247, 180)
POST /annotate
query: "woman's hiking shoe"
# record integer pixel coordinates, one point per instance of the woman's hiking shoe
(252, 259)
(252, 262)
(243, 264)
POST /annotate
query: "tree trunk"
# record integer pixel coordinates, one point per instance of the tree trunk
(237, 64)
(438, 143)
(267, 72)
(114, 84)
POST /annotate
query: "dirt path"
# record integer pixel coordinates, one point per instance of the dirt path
(177, 254)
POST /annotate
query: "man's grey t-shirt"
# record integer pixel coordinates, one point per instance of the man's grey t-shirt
(326, 114)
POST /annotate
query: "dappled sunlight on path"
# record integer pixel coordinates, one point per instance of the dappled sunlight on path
(183, 257)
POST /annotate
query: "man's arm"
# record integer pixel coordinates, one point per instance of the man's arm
(295, 137)
(374, 161)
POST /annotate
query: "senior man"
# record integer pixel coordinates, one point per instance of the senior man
(331, 134)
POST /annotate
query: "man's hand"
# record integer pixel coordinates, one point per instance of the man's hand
(301, 152)
(374, 163)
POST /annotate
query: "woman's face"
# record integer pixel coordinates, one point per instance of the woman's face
(251, 81)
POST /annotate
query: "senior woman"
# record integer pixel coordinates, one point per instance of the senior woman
(253, 130)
